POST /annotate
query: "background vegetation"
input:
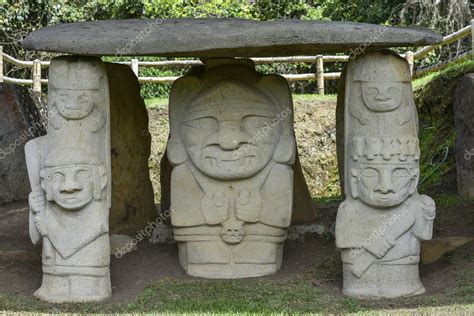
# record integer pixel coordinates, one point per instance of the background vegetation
(20, 17)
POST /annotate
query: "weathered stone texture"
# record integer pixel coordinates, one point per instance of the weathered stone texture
(231, 146)
(382, 220)
(132, 195)
(303, 207)
(464, 120)
(432, 250)
(222, 37)
(20, 121)
(70, 178)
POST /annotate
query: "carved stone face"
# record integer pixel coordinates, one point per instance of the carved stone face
(382, 96)
(230, 141)
(70, 186)
(384, 185)
(233, 231)
(74, 104)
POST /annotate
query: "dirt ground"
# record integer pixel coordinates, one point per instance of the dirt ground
(314, 257)
(20, 262)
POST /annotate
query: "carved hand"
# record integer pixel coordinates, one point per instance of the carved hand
(37, 201)
(38, 224)
(428, 206)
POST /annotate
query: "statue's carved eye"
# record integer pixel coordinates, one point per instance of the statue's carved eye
(83, 98)
(370, 173)
(255, 122)
(63, 98)
(204, 123)
(83, 175)
(393, 90)
(400, 173)
(373, 91)
(57, 177)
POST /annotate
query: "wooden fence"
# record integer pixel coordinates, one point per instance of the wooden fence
(320, 76)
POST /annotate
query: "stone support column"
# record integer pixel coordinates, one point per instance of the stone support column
(383, 218)
(70, 177)
(232, 148)
(464, 119)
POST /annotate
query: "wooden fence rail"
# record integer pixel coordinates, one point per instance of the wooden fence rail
(320, 76)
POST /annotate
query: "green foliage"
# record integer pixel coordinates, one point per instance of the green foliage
(197, 9)
(368, 11)
(435, 98)
(19, 17)
(444, 201)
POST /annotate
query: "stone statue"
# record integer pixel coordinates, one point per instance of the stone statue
(69, 171)
(383, 218)
(231, 146)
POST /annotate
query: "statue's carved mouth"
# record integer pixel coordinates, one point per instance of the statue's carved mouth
(233, 163)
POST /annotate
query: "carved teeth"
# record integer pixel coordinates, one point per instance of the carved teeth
(248, 161)
(210, 162)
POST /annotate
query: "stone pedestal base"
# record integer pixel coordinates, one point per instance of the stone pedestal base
(208, 256)
(383, 281)
(74, 288)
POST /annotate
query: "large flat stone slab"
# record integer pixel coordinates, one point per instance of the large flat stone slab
(221, 37)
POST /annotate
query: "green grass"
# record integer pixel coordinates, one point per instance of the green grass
(303, 293)
(448, 200)
(161, 102)
(449, 72)
(434, 96)
(419, 83)
(261, 296)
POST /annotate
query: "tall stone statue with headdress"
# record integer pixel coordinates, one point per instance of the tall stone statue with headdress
(231, 146)
(383, 218)
(69, 171)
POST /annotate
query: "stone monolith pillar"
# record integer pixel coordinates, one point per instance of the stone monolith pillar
(232, 148)
(69, 171)
(464, 119)
(383, 218)
(20, 121)
(133, 200)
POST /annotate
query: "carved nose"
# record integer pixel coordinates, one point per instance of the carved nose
(231, 136)
(385, 183)
(70, 185)
(382, 97)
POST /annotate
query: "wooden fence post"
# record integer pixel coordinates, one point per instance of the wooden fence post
(410, 57)
(135, 66)
(472, 38)
(1, 64)
(320, 74)
(37, 76)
